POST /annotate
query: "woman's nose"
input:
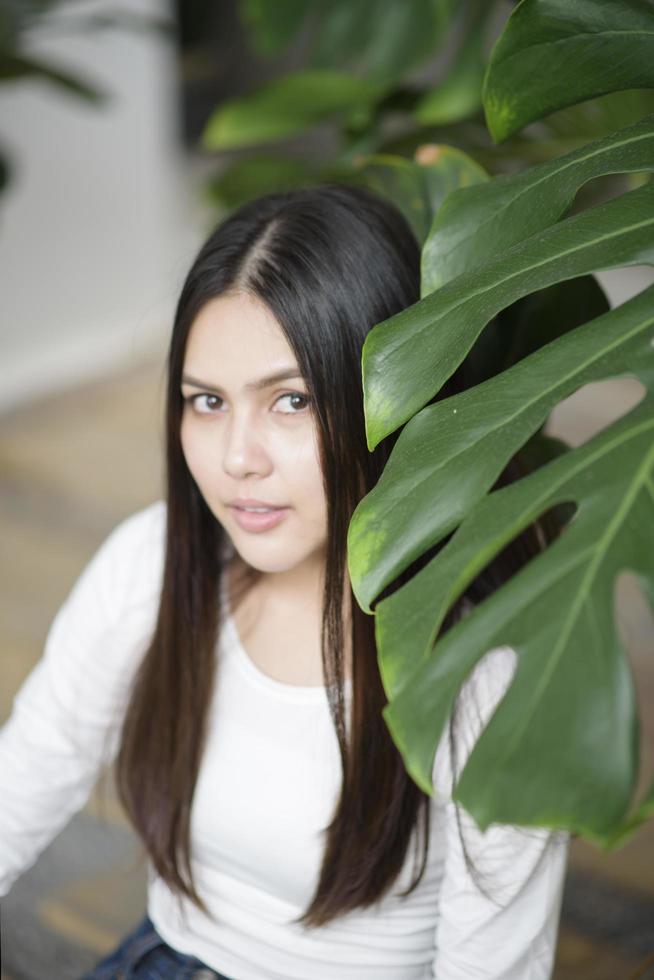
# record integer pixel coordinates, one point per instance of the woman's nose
(244, 450)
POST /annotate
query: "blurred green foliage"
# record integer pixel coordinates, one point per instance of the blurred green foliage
(382, 79)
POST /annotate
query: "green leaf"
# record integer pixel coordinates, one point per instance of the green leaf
(561, 749)
(247, 179)
(419, 188)
(474, 225)
(402, 506)
(407, 358)
(458, 95)
(381, 39)
(273, 26)
(424, 491)
(286, 106)
(554, 53)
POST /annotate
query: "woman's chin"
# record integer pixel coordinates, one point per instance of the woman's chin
(278, 560)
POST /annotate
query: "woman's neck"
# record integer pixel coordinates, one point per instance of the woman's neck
(280, 604)
(296, 589)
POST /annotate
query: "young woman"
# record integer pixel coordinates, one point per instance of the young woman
(213, 648)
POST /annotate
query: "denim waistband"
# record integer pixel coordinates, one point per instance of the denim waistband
(144, 954)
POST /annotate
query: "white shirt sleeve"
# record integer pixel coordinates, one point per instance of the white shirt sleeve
(66, 717)
(511, 935)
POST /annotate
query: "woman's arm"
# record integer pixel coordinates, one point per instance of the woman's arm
(512, 934)
(66, 717)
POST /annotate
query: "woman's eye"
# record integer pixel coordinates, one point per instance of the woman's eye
(207, 404)
(293, 396)
(204, 404)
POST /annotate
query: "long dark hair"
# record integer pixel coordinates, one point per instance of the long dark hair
(329, 262)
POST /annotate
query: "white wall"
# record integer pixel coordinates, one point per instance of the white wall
(97, 228)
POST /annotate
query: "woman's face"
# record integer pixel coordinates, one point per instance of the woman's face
(245, 436)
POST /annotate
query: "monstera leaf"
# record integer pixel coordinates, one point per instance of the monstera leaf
(472, 226)
(427, 341)
(554, 53)
(561, 747)
(418, 187)
(418, 498)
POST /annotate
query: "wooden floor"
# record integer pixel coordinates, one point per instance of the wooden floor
(72, 467)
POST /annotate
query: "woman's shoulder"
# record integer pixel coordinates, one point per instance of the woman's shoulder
(126, 569)
(140, 531)
(141, 528)
(138, 538)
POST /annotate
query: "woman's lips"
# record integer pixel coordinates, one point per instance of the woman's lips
(252, 521)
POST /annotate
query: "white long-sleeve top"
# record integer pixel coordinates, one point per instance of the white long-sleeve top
(267, 788)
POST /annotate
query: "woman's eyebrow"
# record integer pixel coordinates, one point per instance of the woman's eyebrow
(281, 375)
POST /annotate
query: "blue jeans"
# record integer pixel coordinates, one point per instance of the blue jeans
(143, 955)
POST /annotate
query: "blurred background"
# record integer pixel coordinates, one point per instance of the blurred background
(125, 135)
